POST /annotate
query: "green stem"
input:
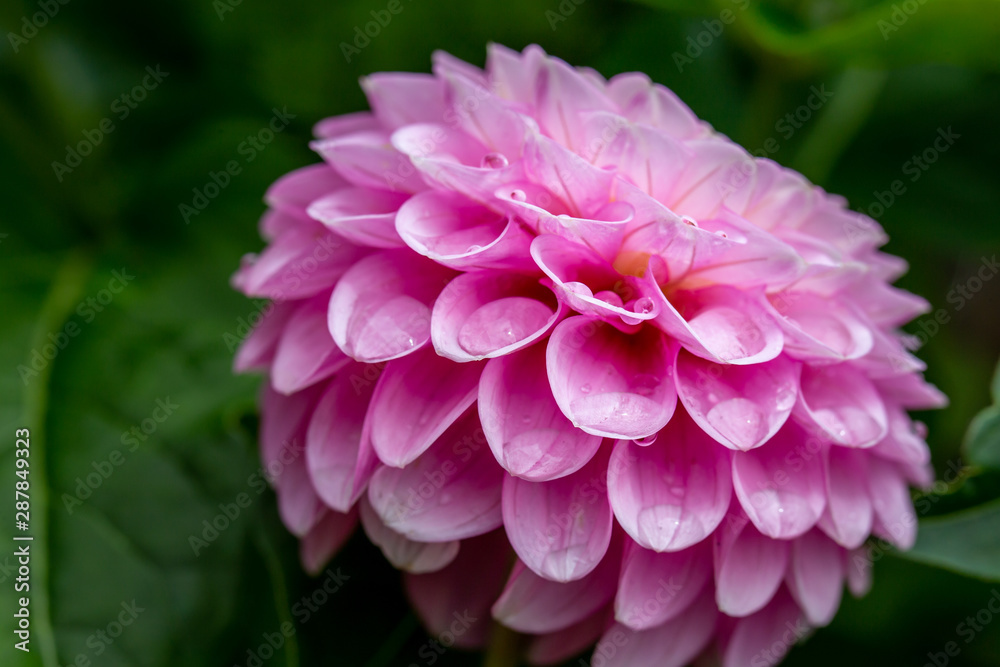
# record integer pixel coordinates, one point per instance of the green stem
(504, 649)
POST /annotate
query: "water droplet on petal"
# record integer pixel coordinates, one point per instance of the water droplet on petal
(494, 161)
(643, 305)
(739, 420)
(585, 389)
(473, 248)
(645, 442)
(645, 384)
(518, 195)
(722, 234)
(688, 220)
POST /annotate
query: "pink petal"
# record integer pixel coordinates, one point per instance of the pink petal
(560, 529)
(485, 314)
(457, 232)
(858, 564)
(325, 539)
(843, 403)
(557, 647)
(601, 231)
(816, 576)
(454, 603)
(380, 309)
(848, 515)
(336, 126)
(656, 587)
(283, 421)
(403, 98)
(256, 352)
(296, 190)
(339, 454)
(417, 398)
(749, 567)
(674, 644)
(476, 111)
(306, 352)
(904, 443)
(578, 184)
(721, 324)
(536, 605)
(577, 272)
(742, 407)
(714, 176)
(405, 554)
(642, 101)
(912, 392)
(895, 519)
(450, 493)
(818, 329)
(361, 215)
(673, 493)
(528, 434)
(299, 263)
(609, 383)
(299, 507)
(781, 486)
(368, 159)
(561, 93)
(764, 638)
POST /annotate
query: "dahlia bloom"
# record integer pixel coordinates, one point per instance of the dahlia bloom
(578, 362)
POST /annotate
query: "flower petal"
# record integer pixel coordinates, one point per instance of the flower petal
(528, 434)
(450, 493)
(368, 159)
(674, 644)
(764, 638)
(815, 576)
(749, 567)
(380, 309)
(609, 383)
(848, 515)
(325, 539)
(256, 352)
(656, 587)
(560, 529)
(781, 486)
(296, 190)
(306, 352)
(416, 399)
(673, 493)
(361, 215)
(843, 404)
(405, 554)
(742, 407)
(403, 98)
(895, 518)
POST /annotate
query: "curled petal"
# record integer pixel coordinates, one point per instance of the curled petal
(674, 644)
(457, 598)
(536, 605)
(609, 383)
(848, 515)
(380, 309)
(560, 529)
(742, 407)
(363, 216)
(457, 232)
(577, 272)
(306, 352)
(766, 637)
(816, 576)
(368, 159)
(486, 314)
(749, 567)
(325, 539)
(781, 486)
(528, 434)
(296, 190)
(721, 324)
(843, 403)
(673, 493)
(416, 399)
(339, 453)
(450, 493)
(656, 587)
(405, 554)
(818, 329)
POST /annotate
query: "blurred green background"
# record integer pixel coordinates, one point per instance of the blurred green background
(899, 73)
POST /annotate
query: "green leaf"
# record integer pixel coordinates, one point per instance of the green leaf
(966, 542)
(982, 440)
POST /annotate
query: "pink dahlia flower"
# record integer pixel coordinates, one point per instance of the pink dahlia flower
(581, 363)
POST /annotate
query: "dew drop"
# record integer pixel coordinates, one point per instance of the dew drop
(645, 442)
(494, 161)
(688, 220)
(585, 389)
(643, 305)
(518, 195)
(722, 234)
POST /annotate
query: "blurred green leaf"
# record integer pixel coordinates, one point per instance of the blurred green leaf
(982, 442)
(966, 542)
